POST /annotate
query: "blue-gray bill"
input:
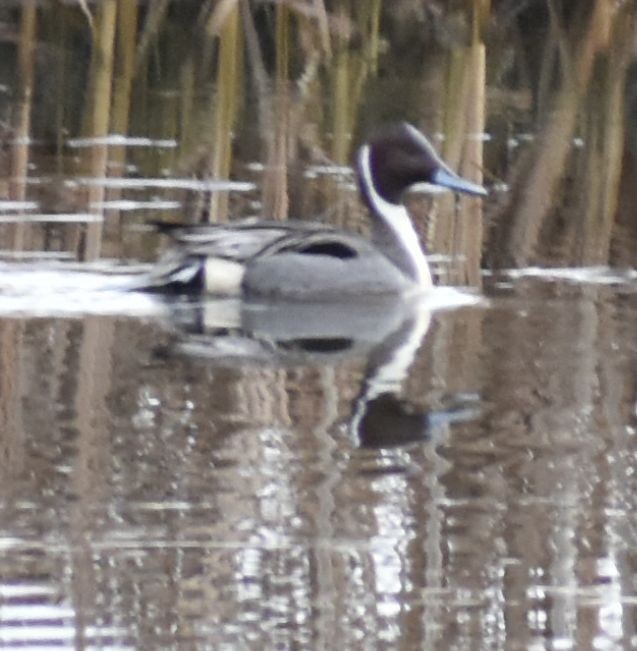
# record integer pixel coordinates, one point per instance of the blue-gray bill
(447, 179)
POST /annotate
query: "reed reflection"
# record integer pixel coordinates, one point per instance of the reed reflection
(570, 161)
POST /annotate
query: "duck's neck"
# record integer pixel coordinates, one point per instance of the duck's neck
(392, 232)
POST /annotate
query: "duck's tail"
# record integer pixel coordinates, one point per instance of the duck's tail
(173, 275)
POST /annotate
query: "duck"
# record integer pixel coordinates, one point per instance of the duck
(309, 261)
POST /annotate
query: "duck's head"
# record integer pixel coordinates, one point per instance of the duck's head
(399, 157)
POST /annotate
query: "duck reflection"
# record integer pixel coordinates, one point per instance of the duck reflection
(387, 333)
(381, 417)
(389, 421)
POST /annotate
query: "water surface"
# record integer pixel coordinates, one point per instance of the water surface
(158, 498)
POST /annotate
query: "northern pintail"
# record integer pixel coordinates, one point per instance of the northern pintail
(309, 261)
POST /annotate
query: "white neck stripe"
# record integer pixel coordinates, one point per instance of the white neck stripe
(397, 218)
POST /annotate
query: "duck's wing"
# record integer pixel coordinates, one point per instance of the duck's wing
(327, 242)
(245, 240)
(239, 241)
(226, 250)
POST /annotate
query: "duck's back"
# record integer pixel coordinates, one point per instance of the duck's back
(240, 241)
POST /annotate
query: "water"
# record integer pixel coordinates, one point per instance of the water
(455, 472)
(156, 496)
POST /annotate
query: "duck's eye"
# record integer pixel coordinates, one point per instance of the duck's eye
(334, 249)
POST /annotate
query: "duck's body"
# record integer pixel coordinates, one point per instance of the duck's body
(310, 261)
(260, 258)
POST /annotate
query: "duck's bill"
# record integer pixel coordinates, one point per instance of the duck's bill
(447, 179)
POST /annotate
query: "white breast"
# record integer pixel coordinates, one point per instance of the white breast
(397, 218)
